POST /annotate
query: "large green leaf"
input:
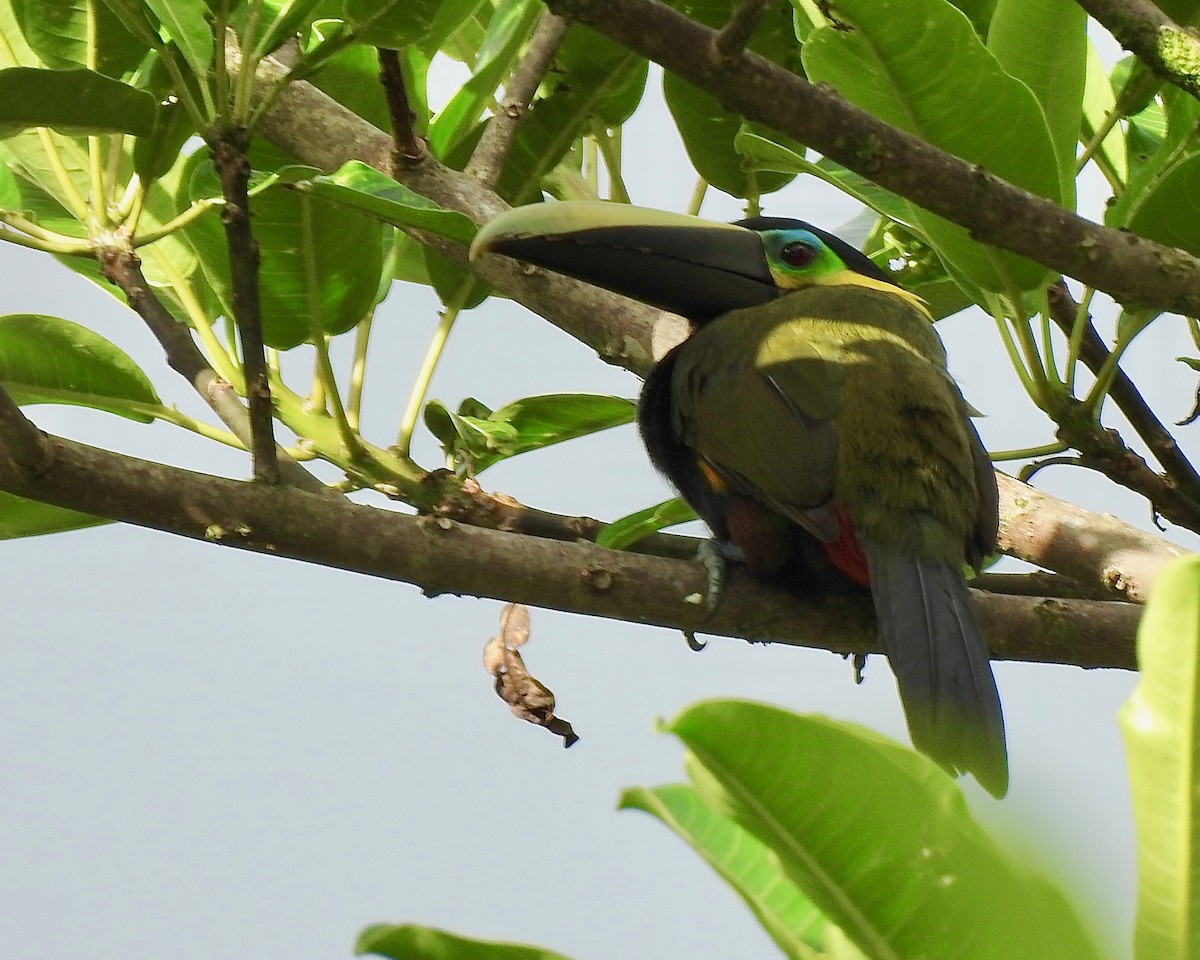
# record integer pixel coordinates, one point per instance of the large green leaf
(29, 518)
(876, 835)
(391, 23)
(1157, 146)
(1098, 102)
(321, 261)
(351, 77)
(798, 928)
(72, 101)
(57, 30)
(597, 79)
(187, 23)
(1170, 210)
(707, 129)
(410, 942)
(919, 65)
(51, 360)
(1043, 43)
(364, 188)
(1161, 724)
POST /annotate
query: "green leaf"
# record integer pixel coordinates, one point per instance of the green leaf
(288, 19)
(761, 152)
(1098, 102)
(876, 835)
(919, 65)
(1161, 726)
(1168, 212)
(1157, 138)
(364, 188)
(707, 129)
(390, 23)
(409, 942)
(629, 529)
(29, 518)
(798, 928)
(507, 31)
(598, 79)
(351, 77)
(57, 30)
(187, 23)
(455, 286)
(51, 360)
(72, 101)
(1043, 43)
(523, 425)
(309, 284)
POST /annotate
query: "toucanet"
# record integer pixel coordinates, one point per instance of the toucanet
(810, 421)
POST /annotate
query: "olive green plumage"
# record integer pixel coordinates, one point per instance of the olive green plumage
(810, 421)
(837, 397)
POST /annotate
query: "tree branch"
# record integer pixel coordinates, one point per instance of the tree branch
(442, 556)
(732, 38)
(122, 267)
(1132, 269)
(407, 146)
(229, 158)
(1181, 475)
(487, 161)
(20, 438)
(323, 133)
(1087, 547)
(1158, 41)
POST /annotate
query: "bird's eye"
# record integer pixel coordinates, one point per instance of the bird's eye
(797, 254)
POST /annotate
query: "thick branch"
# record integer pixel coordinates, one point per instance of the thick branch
(1085, 546)
(1132, 269)
(487, 161)
(20, 438)
(442, 556)
(1158, 41)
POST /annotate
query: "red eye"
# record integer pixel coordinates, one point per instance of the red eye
(797, 254)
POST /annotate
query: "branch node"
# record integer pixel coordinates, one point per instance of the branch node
(731, 39)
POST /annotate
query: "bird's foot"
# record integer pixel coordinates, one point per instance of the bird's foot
(716, 556)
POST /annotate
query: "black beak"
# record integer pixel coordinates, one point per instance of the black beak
(692, 267)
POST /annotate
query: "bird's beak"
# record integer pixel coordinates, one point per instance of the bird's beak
(693, 267)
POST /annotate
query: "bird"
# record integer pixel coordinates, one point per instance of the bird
(809, 419)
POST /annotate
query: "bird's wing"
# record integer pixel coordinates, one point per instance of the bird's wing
(766, 400)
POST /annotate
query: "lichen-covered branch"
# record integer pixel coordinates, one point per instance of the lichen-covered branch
(1154, 38)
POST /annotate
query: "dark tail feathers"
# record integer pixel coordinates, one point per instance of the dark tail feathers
(940, 660)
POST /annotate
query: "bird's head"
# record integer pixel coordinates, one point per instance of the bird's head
(696, 268)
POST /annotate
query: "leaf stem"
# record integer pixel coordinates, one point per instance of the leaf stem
(697, 199)
(358, 371)
(421, 385)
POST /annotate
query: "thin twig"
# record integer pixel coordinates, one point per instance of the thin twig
(732, 38)
(123, 268)
(492, 150)
(1180, 473)
(407, 147)
(1124, 392)
(229, 158)
(20, 438)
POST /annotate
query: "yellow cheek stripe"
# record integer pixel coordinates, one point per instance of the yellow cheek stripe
(848, 278)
